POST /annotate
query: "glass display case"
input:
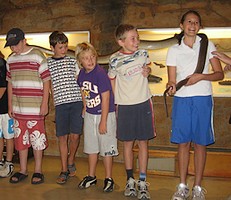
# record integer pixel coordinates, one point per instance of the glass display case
(42, 40)
(221, 37)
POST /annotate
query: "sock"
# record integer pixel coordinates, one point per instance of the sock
(129, 173)
(142, 176)
(8, 162)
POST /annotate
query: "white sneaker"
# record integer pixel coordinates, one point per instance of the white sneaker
(143, 192)
(1, 165)
(7, 170)
(198, 193)
(130, 189)
(182, 192)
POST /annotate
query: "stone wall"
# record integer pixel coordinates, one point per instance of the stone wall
(101, 17)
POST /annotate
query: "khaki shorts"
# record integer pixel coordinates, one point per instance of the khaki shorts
(94, 142)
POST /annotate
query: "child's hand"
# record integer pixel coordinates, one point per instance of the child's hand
(172, 88)
(194, 78)
(102, 127)
(146, 71)
(227, 68)
(10, 113)
(83, 111)
(223, 57)
(44, 109)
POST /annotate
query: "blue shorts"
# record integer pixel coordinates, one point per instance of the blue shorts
(68, 118)
(192, 120)
(136, 122)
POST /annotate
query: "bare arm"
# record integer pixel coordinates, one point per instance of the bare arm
(223, 57)
(2, 91)
(10, 107)
(44, 104)
(105, 110)
(171, 80)
(84, 103)
(215, 76)
(113, 85)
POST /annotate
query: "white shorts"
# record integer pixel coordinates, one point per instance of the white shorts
(6, 126)
(94, 142)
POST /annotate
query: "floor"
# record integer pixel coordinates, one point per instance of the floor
(161, 187)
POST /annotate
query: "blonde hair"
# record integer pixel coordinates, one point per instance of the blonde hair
(83, 47)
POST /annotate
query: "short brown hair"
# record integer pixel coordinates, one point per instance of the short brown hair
(57, 37)
(122, 29)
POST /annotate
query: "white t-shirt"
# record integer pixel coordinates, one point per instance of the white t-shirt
(185, 60)
(131, 87)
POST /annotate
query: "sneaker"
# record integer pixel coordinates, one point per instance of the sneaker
(7, 169)
(198, 193)
(130, 189)
(108, 185)
(142, 188)
(87, 182)
(182, 192)
(1, 165)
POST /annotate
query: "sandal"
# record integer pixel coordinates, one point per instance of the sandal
(37, 176)
(71, 169)
(62, 178)
(17, 177)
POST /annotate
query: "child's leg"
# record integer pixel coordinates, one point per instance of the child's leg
(38, 155)
(23, 154)
(1, 148)
(143, 158)
(128, 158)
(9, 149)
(90, 179)
(128, 154)
(92, 162)
(199, 162)
(63, 149)
(107, 161)
(183, 160)
(73, 146)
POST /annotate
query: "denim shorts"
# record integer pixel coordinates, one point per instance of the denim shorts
(68, 118)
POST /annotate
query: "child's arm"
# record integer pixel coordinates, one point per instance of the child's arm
(105, 110)
(44, 104)
(223, 57)
(2, 91)
(215, 76)
(84, 103)
(113, 85)
(171, 80)
(9, 90)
